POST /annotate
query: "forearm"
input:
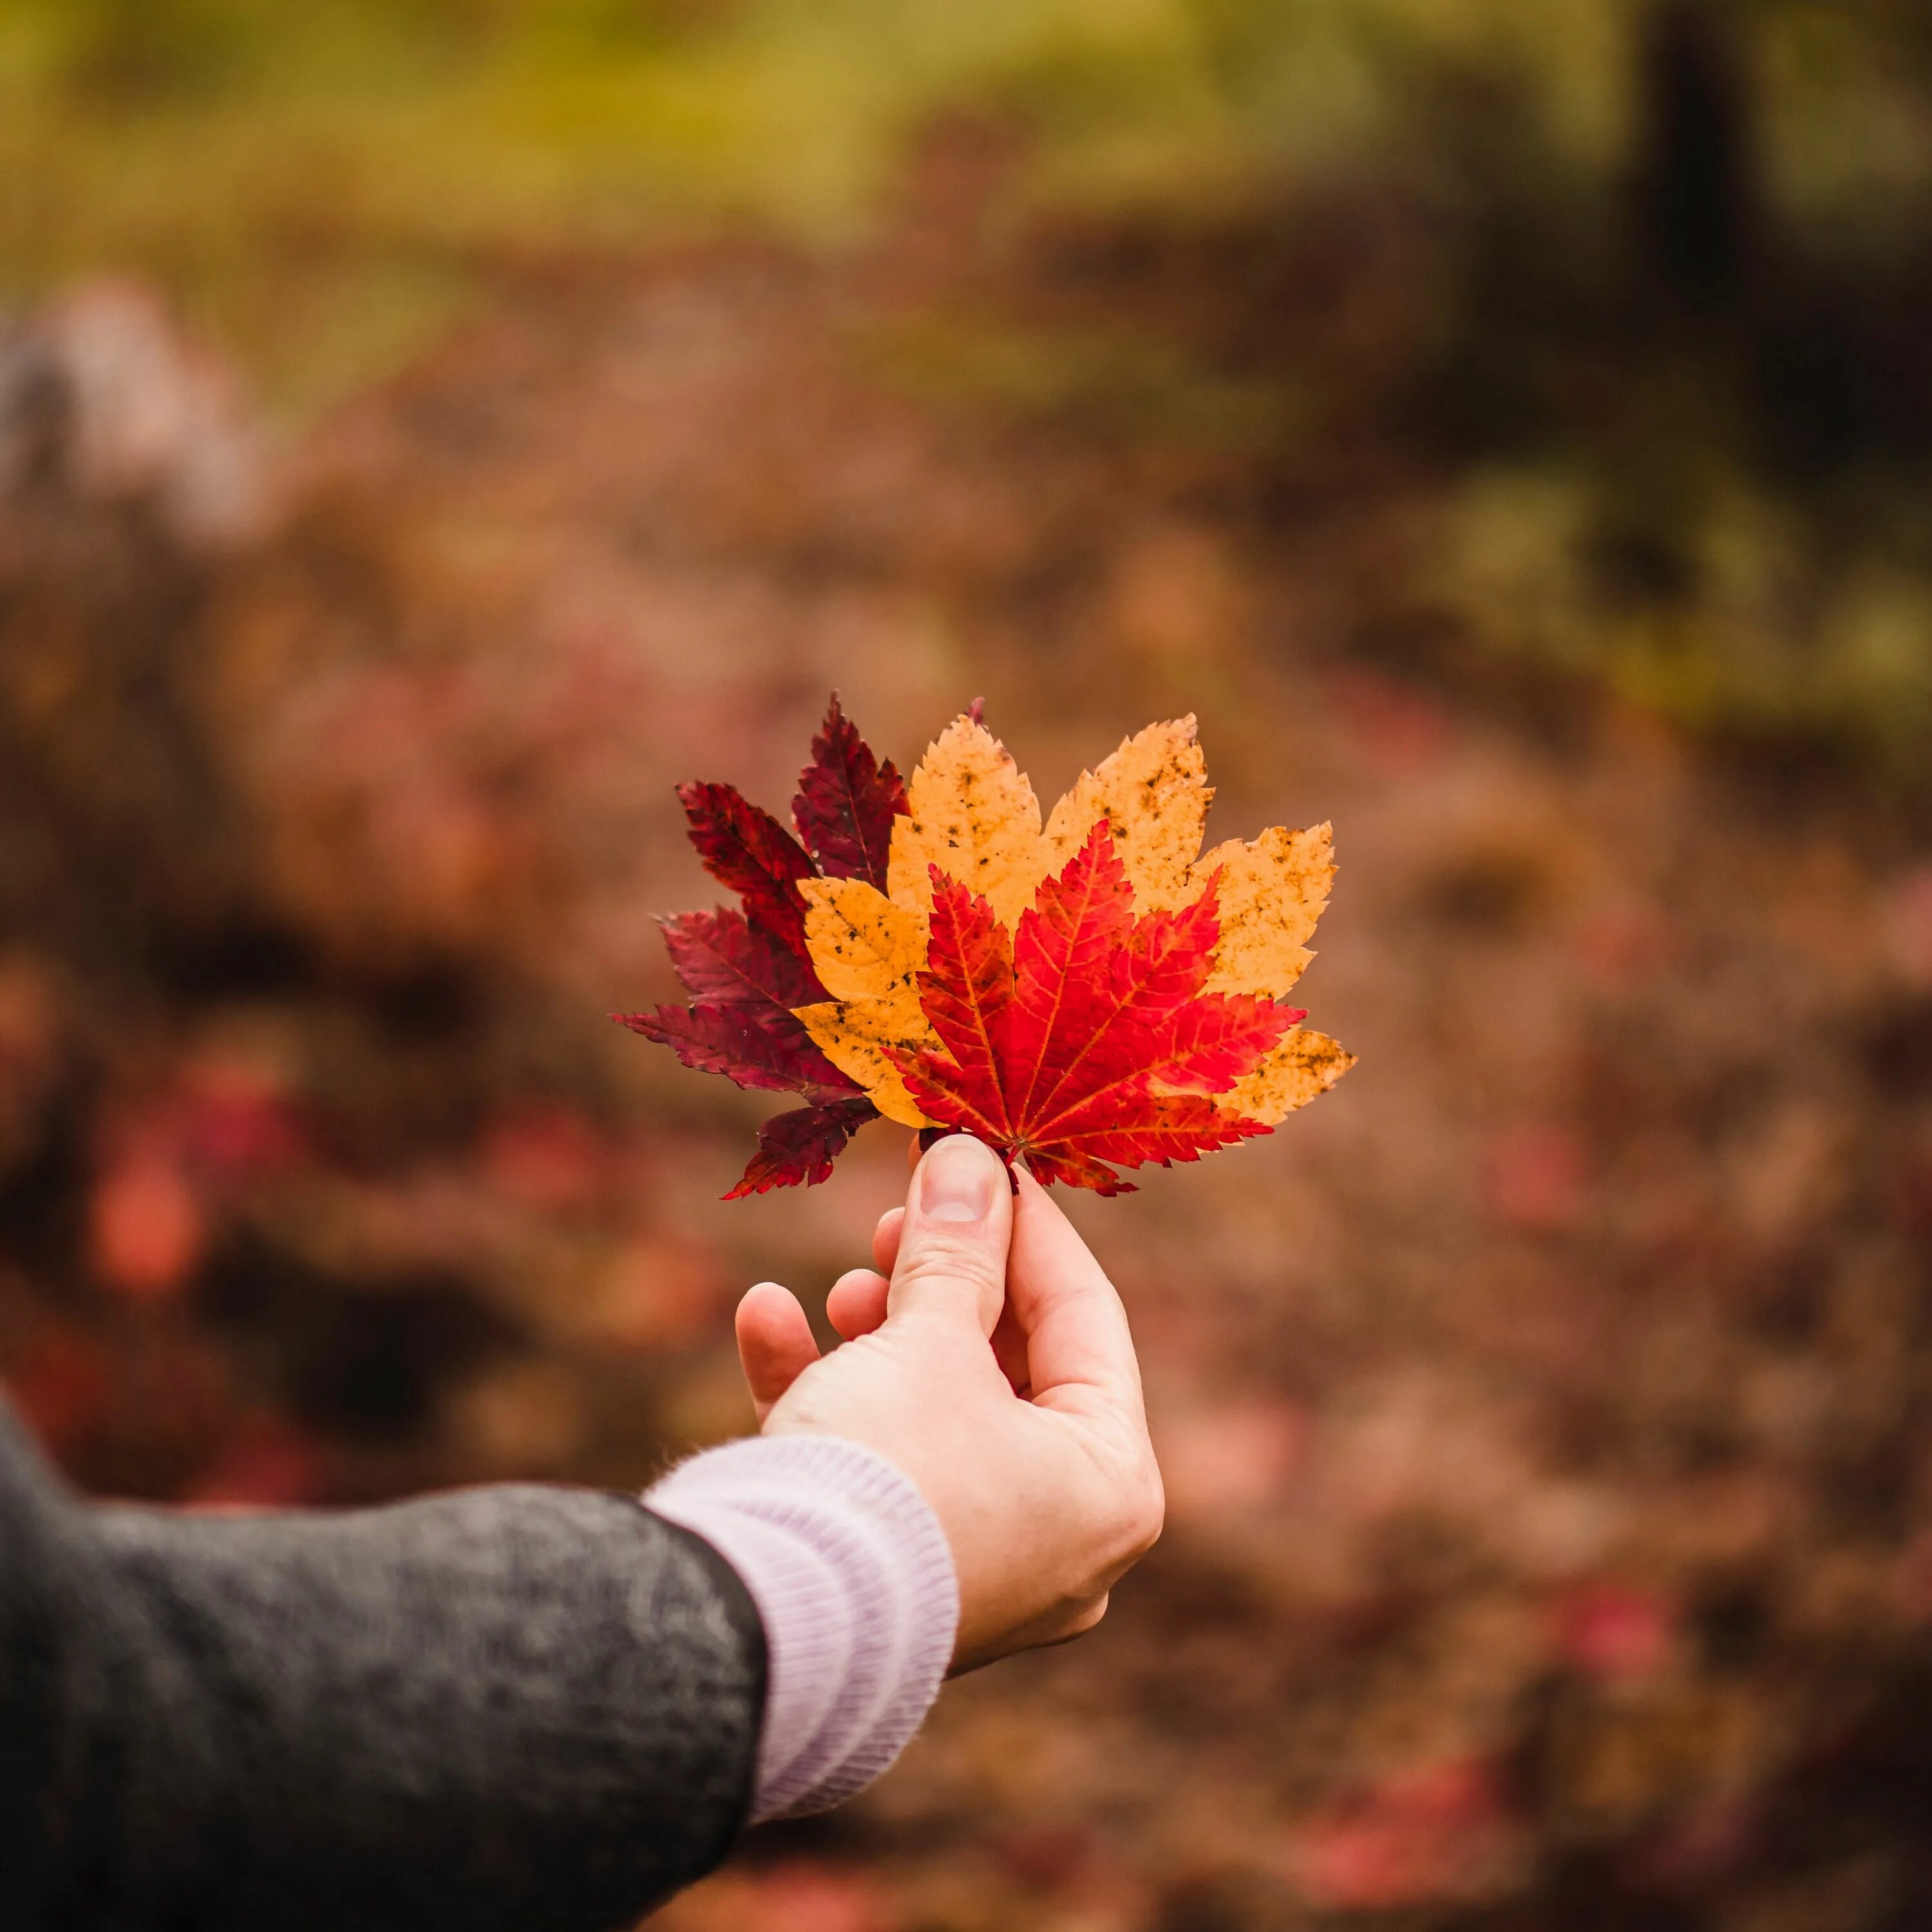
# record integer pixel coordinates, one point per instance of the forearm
(530, 1708)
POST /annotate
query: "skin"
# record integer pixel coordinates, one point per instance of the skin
(988, 1356)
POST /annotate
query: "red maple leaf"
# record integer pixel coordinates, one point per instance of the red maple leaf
(759, 1047)
(745, 847)
(846, 803)
(801, 1145)
(1084, 1036)
(722, 956)
(746, 969)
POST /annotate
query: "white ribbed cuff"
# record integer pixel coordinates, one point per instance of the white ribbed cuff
(854, 1584)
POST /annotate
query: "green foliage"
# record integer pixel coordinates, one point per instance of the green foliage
(1766, 632)
(321, 188)
(307, 178)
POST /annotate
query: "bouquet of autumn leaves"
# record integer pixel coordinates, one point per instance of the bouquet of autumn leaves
(1086, 994)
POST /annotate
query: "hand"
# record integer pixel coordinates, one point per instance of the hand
(995, 1368)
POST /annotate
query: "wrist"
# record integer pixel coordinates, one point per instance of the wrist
(854, 1583)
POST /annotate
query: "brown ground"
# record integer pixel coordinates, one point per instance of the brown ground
(1542, 1410)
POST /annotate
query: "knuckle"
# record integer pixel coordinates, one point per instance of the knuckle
(1146, 1520)
(1136, 1508)
(1088, 1616)
(1138, 1531)
(1153, 1501)
(945, 1260)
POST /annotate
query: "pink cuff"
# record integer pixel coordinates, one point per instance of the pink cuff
(854, 1583)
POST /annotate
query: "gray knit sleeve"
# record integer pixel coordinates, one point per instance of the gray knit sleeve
(516, 1708)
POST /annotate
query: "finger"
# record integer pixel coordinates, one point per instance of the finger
(952, 1261)
(857, 1303)
(775, 1342)
(886, 1240)
(1009, 1346)
(1009, 1350)
(1079, 1350)
(1009, 1339)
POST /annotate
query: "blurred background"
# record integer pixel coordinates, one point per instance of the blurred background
(430, 429)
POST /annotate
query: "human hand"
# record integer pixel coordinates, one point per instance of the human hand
(994, 1368)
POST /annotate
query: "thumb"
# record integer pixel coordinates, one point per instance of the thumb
(958, 1223)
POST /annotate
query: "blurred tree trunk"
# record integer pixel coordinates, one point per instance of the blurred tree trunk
(1697, 189)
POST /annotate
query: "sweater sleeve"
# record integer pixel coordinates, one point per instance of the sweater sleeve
(853, 1580)
(516, 1708)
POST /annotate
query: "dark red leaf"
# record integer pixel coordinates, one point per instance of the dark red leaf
(746, 969)
(797, 1149)
(722, 958)
(846, 802)
(745, 847)
(756, 1046)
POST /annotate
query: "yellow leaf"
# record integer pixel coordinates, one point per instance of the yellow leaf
(853, 1034)
(1273, 890)
(974, 815)
(1153, 791)
(1303, 1065)
(868, 951)
(864, 946)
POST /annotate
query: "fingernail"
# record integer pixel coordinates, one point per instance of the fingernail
(956, 1180)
